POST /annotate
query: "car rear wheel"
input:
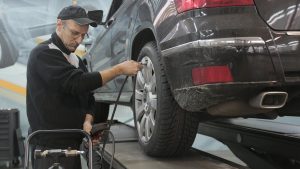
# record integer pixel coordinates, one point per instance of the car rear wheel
(0, 51)
(7, 58)
(164, 129)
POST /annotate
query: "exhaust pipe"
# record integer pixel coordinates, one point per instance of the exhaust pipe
(269, 100)
(263, 103)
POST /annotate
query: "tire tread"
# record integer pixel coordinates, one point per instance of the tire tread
(177, 127)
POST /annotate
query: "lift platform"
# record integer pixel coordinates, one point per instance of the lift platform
(128, 154)
(270, 145)
(261, 144)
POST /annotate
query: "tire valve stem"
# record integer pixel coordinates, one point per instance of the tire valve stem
(144, 62)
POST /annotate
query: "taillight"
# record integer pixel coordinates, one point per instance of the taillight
(211, 74)
(185, 5)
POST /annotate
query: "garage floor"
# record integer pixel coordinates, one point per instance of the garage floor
(128, 154)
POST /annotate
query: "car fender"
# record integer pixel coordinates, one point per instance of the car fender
(141, 19)
(144, 19)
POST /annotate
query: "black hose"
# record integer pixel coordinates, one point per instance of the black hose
(116, 104)
(109, 125)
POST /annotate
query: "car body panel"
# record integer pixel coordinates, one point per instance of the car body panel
(167, 101)
(296, 22)
(212, 45)
(113, 51)
(120, 43)
(101, 57)
(288, 51)
(237, 37)
(118, 49)
(278, 15)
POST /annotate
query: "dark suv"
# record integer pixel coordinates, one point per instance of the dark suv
(204, 59)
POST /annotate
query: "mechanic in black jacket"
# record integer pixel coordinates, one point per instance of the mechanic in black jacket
(59, 85)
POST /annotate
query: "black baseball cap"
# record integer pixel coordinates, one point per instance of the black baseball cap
(77, 14)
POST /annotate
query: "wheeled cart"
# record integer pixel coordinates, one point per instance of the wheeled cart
(56, 153)
(11, 140)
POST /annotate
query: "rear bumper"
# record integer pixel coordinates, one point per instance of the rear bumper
(238, 39)
(223, 36)
(254, 67)
(247, 58)
(197, 98)
(235, 37)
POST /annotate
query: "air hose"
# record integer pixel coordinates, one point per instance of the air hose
(110, 122)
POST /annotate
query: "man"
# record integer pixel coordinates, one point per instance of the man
(59, 86)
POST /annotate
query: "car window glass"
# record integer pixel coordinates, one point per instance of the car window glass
(29, 22)
(105, 6)
(114, 7)
(37, 12)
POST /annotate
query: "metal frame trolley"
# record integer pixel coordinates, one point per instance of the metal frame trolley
(57, 152)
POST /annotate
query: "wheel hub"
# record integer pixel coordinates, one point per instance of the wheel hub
(147, 109)
(145, 100)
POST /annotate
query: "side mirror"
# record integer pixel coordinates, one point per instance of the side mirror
(96, 15)
(87, 41)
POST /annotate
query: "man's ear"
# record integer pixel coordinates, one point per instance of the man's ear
(59, 25)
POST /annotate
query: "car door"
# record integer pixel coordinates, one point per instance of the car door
(121, 28)
(99, 57)
(109, 48)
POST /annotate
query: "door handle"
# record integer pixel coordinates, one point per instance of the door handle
(109, 22)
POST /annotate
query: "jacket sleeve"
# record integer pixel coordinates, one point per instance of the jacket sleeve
(57, 72)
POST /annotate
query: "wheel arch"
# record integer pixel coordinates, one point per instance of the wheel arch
(143, 37)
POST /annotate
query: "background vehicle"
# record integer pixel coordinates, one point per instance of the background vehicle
(205, 60)
(21, 21)
(21, 24)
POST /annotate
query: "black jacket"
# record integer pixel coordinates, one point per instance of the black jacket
(58, 94)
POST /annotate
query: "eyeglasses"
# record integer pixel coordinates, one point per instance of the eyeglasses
(75, 34)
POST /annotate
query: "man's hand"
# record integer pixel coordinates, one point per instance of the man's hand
(129, 67)
(87, 127)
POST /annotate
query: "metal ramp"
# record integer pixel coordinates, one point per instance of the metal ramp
(128, 154)
(270, 145)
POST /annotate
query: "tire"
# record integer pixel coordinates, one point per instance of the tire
(164, 129)
(7, 56)
(1, 50)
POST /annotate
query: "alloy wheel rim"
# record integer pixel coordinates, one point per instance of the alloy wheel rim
(145, 100)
